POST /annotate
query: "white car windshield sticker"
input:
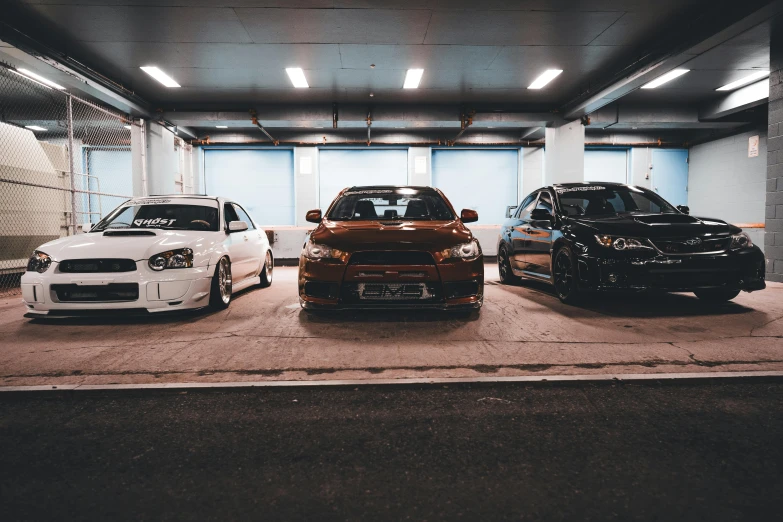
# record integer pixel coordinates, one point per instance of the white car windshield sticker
(579, 189)
(150, 201)
(157, 222)
(358, 192)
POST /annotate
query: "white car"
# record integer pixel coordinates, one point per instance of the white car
(151, 254)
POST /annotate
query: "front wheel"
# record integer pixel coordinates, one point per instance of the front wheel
(507, 277)
(266, 271)
(716, 295)
(220, 291)
(564, 276)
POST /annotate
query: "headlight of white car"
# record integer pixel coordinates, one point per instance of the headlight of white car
(182, 258)
(465, 251)
(623, 243)
(315, 251)
(39, 262)
(741, 240)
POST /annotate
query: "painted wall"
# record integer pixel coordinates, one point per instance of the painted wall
(725, 183)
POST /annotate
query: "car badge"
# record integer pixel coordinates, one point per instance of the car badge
(693, 242)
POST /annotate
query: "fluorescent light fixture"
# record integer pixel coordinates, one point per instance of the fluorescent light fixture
(40, 79)
(35, 128)
(221, 126)
(127, 126)
(297, 77)
(413, 78)
(159, 75)
(545, 78)
(744, 81)
(666, 78)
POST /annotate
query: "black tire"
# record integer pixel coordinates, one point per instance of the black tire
(564, 276)
(507, 276)
(220, 291)
(267, 271)
(716, 295)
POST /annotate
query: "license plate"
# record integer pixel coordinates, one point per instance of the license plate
(393, 291)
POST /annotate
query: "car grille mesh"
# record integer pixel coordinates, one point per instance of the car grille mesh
(691, 245)
(94, 266)
(391, 258)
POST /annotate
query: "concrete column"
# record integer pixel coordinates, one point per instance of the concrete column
(773, 239)
(306, 183)
(420, 166)
(139, 158)
(532, 170)
(565, 154)
(162, 161)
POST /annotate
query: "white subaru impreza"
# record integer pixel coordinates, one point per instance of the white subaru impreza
(151, 254)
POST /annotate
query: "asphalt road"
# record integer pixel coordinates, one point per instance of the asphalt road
(615, 451)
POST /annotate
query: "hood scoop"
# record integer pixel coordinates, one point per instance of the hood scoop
(129, 233)
(666, 219)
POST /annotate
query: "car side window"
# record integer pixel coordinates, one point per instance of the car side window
(243, 216)
(230, 214)
(527, 206)
(545, 202)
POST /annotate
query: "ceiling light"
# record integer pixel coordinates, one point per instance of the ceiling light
(413, 78)
(744, 81)
(35, 128)
(40, 79)
(545, 78)
(297, 77)
(669, 76)
(221, 126)
(159, 75)
(127, 126)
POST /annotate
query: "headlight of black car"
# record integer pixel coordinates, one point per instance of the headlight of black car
(466, 251)
(315, 251)
(182, 258)
(623, 243)
(741, 240)
(39, 262)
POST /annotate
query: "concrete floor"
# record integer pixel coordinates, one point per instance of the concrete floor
(522, 330)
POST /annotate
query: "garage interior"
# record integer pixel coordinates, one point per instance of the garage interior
(236, 125)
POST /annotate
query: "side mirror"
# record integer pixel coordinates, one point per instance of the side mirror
(685, 209)
(510, 211)
(313, 216)
(237, 226)
(86, 227)
(540, 214)
(468, 215)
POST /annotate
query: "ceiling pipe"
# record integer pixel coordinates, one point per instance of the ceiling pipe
(465, 122)
(369, 125)
(334, 116)
(254, 119)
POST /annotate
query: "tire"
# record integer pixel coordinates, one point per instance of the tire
(220, 291)
(716, 295)
(564, 276)
(507, 276)
(267, 271)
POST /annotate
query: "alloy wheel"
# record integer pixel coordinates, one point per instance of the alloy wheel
(564, 275)
(224, 280)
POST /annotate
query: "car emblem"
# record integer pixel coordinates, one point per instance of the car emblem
(693, 242)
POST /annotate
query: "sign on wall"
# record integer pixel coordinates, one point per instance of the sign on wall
(753, 146)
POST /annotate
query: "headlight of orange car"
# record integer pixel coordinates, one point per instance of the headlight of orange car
(466, 251)
(315, 251)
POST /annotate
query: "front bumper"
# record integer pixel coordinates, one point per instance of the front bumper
(735, 270)
(61, 294)
(447, 286)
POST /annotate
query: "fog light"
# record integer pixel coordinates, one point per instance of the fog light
(612, 278)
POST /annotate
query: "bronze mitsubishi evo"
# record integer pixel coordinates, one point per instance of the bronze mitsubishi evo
(391, 247)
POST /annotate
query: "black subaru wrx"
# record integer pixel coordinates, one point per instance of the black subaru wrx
(607, 236)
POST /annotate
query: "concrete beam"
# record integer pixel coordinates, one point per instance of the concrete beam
(618, 117)
(738, 101)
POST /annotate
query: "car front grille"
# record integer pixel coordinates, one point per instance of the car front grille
(93, 266)
(391, 292)
(113, 292)
(393, 257)
(688, 246)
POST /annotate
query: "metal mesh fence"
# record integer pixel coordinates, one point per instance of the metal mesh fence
(63, 162)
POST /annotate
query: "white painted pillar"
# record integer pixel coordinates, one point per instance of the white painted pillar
(306, 183)
(532, 170)
(420, 166)
(162, 161)
(565, 154)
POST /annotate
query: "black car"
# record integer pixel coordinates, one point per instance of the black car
(608, 236)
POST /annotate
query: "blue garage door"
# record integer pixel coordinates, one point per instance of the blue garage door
(670, 175)
(483, 180)
(341, 168)
(262, 181)
(606, 165)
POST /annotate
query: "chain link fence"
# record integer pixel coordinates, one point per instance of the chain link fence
(64, 162)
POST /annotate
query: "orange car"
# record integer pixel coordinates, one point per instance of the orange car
(391, 247)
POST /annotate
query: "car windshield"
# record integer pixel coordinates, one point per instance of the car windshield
(595, 200)
(164, 216)
(390, 204)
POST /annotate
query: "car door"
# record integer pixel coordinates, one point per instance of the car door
(540, 238)
(238, 245)
(520, 241)
(256, 240)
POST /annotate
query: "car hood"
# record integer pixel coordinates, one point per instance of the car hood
(117, 244)
(656, 225)
(431, 236)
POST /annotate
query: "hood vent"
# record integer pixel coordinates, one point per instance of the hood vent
(129, 233)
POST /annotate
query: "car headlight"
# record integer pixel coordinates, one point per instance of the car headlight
(182, 258)
(623, 243)
(39, 262)
(315, 251)
(741, 240)
(465, 251)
